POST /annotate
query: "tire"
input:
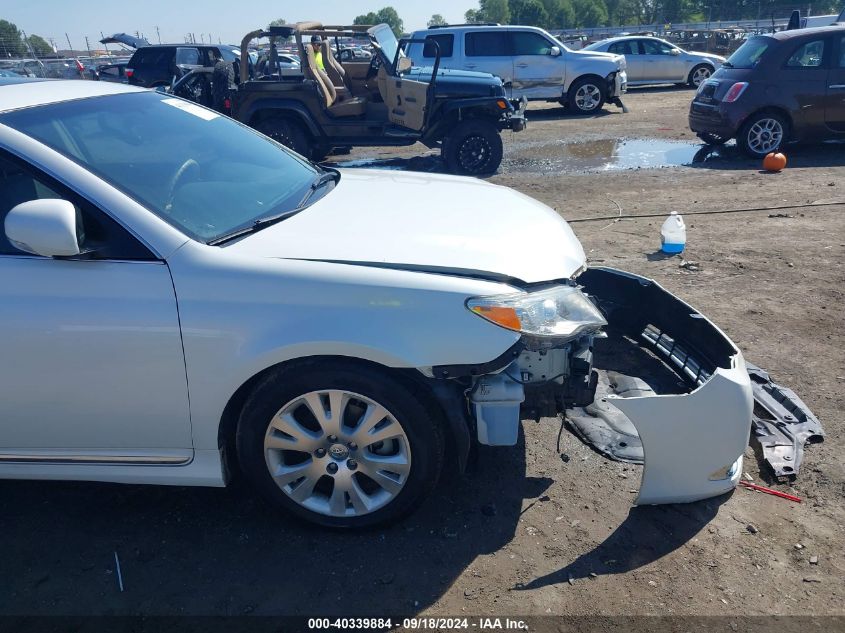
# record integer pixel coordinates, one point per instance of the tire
(473, 148)
(344, 487)
(222, 81)
(762, 133)
(589, 92)
(289, 133)
(713, 139)
(699, 75)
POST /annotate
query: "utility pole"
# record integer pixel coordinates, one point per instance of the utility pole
(69, 45)
(88, 46)
(108, 52)
(158, 35)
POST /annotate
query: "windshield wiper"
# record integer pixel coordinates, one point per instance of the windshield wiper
(324, 178)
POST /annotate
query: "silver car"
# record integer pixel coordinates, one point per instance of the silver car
(655, 61)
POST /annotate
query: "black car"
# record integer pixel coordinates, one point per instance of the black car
(114, 73)
(159, 65)
(788, 86)
(381, 101)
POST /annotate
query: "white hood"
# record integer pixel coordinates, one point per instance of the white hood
(426, 222)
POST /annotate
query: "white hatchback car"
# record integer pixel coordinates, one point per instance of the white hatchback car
(180, 291)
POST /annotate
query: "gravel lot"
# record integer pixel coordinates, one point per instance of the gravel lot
(527, 532)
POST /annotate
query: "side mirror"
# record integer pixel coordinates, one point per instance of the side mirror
(47, 227)
(404, 65)
(675, 52)
(554, 51)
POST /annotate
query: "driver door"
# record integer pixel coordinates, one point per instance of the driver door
(93, 368)
(406, 101)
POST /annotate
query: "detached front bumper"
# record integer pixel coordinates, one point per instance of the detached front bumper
(693, 437)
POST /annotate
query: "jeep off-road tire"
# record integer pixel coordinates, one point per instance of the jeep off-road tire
(339, 444)
(289, 133)
(473, 148)
(222, 81)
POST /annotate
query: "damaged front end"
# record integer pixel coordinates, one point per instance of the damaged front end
(644, 377)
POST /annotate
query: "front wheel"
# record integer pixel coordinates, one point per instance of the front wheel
(586, 95)
(699, 75)
(474, 147)
(339, 445)
(762, 134)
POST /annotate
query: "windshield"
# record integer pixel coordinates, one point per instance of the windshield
(748, 55)
(201, 172)
(387, 40)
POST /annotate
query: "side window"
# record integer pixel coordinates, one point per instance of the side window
(108, 240)
(809, 55)
(528, 43)
(627, 47)
(650, 47)
(446, 42)
(151, 57)
(189, 56)
(111, 71)
(842, 52)
(487, 44)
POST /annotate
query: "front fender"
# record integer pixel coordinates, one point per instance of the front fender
(241, 314)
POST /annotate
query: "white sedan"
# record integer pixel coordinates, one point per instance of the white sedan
(652, 60)
(180, 292)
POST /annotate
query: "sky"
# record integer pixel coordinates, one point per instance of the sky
(223, 19)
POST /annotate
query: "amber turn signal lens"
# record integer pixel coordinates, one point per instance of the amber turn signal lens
(506, 317)
(503, 105)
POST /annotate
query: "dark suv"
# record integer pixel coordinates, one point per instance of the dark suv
(789, 86)
(158, 65)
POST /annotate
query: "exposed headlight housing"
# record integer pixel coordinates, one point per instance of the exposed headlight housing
(559, 312)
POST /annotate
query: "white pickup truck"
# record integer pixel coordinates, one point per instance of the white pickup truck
(530, 62)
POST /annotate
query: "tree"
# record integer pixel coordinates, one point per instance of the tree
(590, 13)
(437, 20)
(387, 15)
(528, 13)
(472, 16)
(277, 22)
(40, 46)
(11, 44)
(495, 11)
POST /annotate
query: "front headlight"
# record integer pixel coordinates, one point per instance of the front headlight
(559, 312)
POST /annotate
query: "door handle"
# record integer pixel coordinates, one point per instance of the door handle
(522, 65)
(837, 86)
(469, 65)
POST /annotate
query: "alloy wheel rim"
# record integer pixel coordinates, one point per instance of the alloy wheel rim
(702, 74)
(765, 136)
(474, 153)
(337, 453)
(587, 97)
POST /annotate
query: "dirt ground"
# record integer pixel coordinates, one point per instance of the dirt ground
(527, 532)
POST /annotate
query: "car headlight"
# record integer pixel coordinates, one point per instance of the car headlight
(559, 312)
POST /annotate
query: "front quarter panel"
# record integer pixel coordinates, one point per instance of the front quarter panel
(243, 314)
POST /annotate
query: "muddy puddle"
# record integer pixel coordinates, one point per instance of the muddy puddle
(560, 156)
(601, 155)
(611, 155)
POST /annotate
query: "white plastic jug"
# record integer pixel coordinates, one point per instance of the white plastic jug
(673, 234)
